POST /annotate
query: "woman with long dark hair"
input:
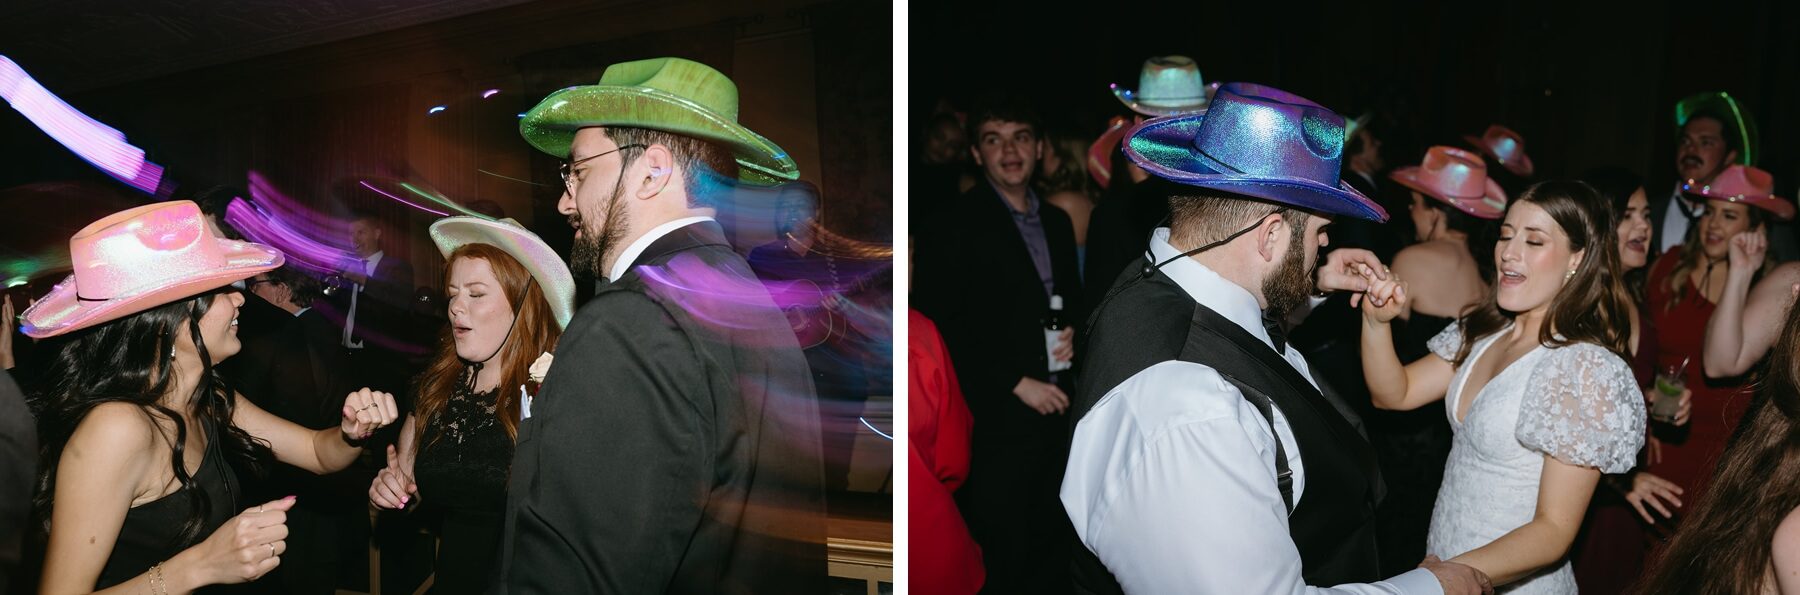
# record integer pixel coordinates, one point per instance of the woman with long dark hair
(1536, 388)
(1743, 535)
(139, 431)
(1454, 210)
(1685, 286)
(509, 296)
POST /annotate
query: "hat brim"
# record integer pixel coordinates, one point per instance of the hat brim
(1489, 206)
(1521, 167)
(1781, 208)
(544, 264)
(62, 312)
(551, 125)
(1129, 98)
(1729, 108)
(1164, 148)
(1100, 154)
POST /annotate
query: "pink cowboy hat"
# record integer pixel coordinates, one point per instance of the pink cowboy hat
(1458, 178)
(1505, 146)
(138, 259)
(1100, 154)
(1743, 184)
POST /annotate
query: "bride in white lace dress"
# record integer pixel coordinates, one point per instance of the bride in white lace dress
(1538, 393)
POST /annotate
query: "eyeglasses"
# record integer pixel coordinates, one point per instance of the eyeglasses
(567, 169)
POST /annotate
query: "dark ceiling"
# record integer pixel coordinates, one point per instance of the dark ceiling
(74, 45)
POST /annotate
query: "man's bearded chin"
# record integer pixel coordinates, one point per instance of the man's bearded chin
(1287, 287)
(591, 246)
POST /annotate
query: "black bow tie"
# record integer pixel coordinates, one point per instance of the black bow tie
(1272, 322)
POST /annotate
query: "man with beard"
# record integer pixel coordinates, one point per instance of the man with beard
(1205, 458)
(674, 444)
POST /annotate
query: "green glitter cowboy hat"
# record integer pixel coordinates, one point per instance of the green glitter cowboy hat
(668, 94)
(1728, 108)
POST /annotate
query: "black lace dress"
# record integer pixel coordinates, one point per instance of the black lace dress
(461, 470)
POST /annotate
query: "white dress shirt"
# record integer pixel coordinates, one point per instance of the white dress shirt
(1171, 476)
(643, 242)
(1674, 224)
(356, 290)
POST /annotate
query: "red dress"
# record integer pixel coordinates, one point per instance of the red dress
(943, 557)
(1690, 453)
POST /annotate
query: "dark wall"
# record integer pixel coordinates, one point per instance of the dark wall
(1586, 85)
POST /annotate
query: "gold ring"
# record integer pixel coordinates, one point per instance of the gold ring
(259, 509)
(271, 549)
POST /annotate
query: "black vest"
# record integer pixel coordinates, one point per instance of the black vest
(1152, 320)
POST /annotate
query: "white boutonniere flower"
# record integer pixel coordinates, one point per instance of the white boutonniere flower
(540, 368)
(534, 380)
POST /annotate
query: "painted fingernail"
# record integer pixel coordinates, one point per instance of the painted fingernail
(290, 497)
(405, 499)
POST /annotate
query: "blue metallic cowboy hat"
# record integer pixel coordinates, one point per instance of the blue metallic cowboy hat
(1259, 142)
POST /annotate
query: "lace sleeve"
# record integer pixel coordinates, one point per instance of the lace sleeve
(1447, 342)
(1582, 407)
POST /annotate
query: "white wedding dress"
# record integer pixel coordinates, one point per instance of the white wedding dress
(1578, 403)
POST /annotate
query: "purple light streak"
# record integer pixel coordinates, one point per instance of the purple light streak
(489, 93)
(300, 249)
(94, 142)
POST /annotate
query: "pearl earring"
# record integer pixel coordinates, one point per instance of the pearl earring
(1569, 275)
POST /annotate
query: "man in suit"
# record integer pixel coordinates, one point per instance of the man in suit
(674, 445)
(1715, 131)
(1206, 459)
(988, 263)
(298, 372)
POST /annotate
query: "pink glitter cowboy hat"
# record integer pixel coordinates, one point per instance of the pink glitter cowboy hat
(1505, 146)
(1746, 185)
(1458, 178)
(138, 259)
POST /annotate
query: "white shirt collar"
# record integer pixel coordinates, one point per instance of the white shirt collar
(374, 259)
(1206, 286)
(637, 247)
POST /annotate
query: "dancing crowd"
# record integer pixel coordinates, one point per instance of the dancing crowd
(663, 436)
(1227, 349)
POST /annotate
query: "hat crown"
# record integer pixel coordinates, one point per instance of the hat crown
(1454, 172)
(1504, 143)
(1170, 80)
(687, 79)
(1260, 130)
(1739, 181)
(139, 248)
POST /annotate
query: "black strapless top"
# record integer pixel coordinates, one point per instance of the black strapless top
(151, 530)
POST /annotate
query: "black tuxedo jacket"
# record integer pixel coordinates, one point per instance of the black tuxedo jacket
(975, 279)
(674, 445)
(382, 308)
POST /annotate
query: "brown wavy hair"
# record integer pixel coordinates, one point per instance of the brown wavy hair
(1593, 306)
(1725, 545)
(1692, 252)
(534, 332)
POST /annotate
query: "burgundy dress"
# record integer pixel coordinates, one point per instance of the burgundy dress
(1609, 552)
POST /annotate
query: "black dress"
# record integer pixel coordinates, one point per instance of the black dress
(149, 534)
(461, 471)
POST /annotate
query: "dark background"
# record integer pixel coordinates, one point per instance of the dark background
(319, 94)
(1586, 84)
